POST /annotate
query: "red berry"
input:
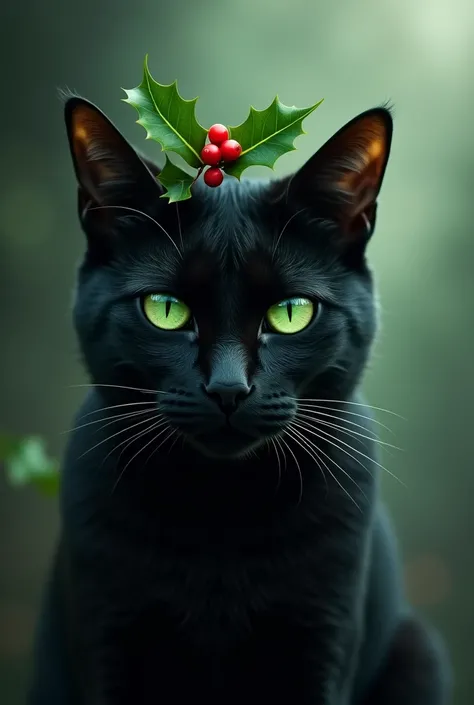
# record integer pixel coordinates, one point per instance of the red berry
(213, 176)
(218, 133)
(211, 154)
(230, 150)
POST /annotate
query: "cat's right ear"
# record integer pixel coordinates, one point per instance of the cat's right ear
(108, 170)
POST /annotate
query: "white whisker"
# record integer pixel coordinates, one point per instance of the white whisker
(303, 443)
(179, 227)
(315, 409)
(284, 228)
(128, 441)
(352, 403)
(109, 438)
(145, 215)
(275, 447)
(116, 417)
(310, 429)
(151, 404)
(119, 386)
(319, 450)
(297, 465)
(138, 453)
(349, 431)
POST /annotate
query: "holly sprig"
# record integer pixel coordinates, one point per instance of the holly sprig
(263, 137)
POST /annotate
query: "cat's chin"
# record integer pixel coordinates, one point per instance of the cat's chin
(226, 443)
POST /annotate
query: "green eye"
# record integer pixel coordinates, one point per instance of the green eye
(165, 311)
(290, 316)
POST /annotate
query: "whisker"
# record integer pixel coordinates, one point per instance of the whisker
(328, 436)
(109, 438)
(272, 441)
(173, 430)
(179, 228)
(128, 441)
(117, 417)
(278, 441)
(353, 403)
(319, 450)
(303, 443)
(150, 403)
(178, 434)
(118, 386)
(315, 408)
(138, 453)
(283, 440)
(145, 215)
(350, 432)
(284, 228)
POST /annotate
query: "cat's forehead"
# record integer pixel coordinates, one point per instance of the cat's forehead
(236, 240)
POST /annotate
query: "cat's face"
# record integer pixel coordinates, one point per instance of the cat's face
(236, 303)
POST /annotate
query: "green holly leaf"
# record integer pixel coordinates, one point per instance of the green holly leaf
(26, 462)
(176, 182)
(168, 118)
(268, 134)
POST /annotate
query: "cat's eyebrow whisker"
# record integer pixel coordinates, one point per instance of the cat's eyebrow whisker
(115, 418)
(275, 247)
(179, 227)
(344, 401)
(283, 440)
(119, 386)
(349, 431)
(319, 450)
(140, 450)
(145, 215)
(315, 409)
(331, 440)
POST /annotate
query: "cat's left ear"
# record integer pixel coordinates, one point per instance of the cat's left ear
(108, 170)
(343, 179)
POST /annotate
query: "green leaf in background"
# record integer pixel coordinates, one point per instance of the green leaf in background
(267, 134)
(168, 118)
(176, 182)
(26, 462)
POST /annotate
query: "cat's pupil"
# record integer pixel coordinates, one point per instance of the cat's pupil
(289, 310)
(167, 308)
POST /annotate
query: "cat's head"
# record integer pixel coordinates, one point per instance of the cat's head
(238, 302)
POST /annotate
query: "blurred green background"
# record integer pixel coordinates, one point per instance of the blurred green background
(419, 54)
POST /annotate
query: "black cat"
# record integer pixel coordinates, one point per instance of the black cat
(222, 538)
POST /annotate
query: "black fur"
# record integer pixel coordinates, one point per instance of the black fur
(207, 570)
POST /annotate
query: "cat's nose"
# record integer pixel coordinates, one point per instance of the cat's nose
(227, 396)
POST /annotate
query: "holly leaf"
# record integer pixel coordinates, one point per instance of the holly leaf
(168, 118)
(267, 134)
(26, 462)
(176, 182)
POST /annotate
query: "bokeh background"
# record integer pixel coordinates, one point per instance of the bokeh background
(418, 54)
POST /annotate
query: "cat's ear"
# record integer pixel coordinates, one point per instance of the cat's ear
(343, 179)
(108, 170)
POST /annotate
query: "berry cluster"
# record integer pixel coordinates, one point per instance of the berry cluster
(219, 150)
